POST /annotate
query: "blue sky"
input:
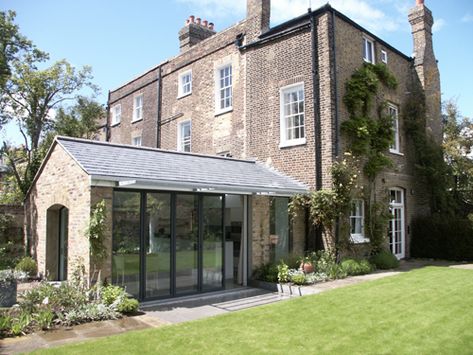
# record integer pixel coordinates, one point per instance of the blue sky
(121, 38)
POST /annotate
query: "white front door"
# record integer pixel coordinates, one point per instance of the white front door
(396, 223)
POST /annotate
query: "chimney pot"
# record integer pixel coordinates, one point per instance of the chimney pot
(187, 22)
(419, 2)
(211, 26)
(205, 23)
(191, 18)
(197, 20)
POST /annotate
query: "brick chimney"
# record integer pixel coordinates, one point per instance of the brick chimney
(259, 11)
(421, 20)
(194, 31)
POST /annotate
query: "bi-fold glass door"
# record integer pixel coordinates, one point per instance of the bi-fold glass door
(167, 243)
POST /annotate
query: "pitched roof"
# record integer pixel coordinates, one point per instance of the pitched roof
(156, 168)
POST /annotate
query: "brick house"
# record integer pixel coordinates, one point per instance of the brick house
(247, 93)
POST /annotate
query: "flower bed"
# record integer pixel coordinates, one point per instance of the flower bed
(55, 304)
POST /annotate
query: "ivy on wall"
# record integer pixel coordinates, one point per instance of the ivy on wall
(96, 231)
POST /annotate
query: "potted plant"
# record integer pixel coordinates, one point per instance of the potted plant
(307, 265)
(8, 286)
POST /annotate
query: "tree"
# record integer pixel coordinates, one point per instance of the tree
(458, 146)
(14, 47)
(30, 97)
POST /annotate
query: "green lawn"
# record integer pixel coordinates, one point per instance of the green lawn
(424, 311)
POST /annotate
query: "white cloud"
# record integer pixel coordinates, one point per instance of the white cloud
(467, 18)
(366, 12)
(439, 23)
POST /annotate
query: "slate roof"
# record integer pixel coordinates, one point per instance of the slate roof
(158, 168)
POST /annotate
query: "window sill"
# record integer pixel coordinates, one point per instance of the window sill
(184, 95)
(292, 143)
(115, 124)
(396, 152)
(221, 112)
(359, 239)
(368, 61)
(137, 120)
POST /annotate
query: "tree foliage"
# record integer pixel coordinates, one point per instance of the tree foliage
(458, 145)
(30, 97)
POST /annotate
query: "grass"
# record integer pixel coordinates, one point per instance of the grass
(420, 312)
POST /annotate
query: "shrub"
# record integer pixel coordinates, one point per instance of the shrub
(128, 305)
(27, 265)
(298, 278)
(266, 272)
(442, 238)
(384, 260)
(111, 293)
(90, 312)
(356, 267)
(44, 318)
(283, 272)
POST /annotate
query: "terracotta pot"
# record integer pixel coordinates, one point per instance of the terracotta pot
(307, 267)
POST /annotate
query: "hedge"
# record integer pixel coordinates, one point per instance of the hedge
(441, 237)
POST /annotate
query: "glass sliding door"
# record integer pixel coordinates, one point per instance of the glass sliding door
(126, 241)
(186, 244)
(212, 242)
(158, 248)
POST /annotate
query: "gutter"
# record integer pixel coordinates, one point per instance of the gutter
(132, 183)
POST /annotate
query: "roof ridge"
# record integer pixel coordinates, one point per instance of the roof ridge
(129, 146)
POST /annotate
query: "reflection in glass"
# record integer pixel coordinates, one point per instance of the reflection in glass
(186, 243)
(212, 248)
(158, 245)
(279, 226)
(126, 241)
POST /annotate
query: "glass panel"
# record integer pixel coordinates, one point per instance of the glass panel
(158, 245)
(279, 225)
(126, 241)
(63, 227)
(186, 243)
(212, 248)
(233, 240)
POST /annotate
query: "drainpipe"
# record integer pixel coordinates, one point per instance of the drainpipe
(316, 108)
(336, 118)
(107, 123)
(316, 102)
(159, 104)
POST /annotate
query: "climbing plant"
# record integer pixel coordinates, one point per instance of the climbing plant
(326, 206)
(96, 231)
(369, 130)
(430, 166)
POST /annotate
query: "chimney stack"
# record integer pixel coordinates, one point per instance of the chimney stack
(194, 31)
(425, 64)
(258, 11)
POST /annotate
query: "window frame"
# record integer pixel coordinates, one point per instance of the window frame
(218, 89)
(283, 140)
(134, 139)
(180, 139)
(384, 56)
(135, 107)
(365, 51)
(114, 120)
(395, 147)
(358, 238)
(181, 85)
